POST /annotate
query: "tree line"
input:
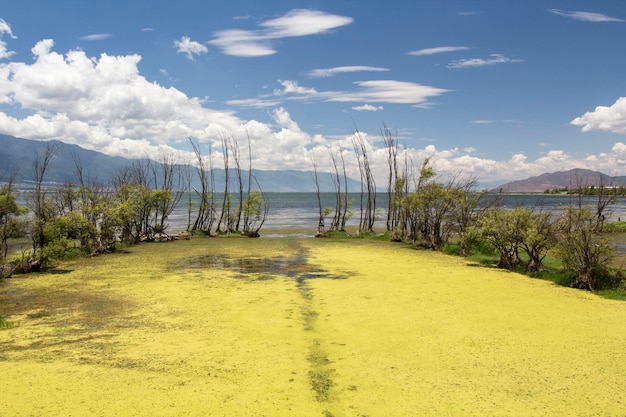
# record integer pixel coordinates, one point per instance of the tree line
(88, 217)
(431, 210)
(423, 208)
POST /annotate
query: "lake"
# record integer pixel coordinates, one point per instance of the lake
(291, 213)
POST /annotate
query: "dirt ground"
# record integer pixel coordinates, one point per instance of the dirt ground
(304, 327)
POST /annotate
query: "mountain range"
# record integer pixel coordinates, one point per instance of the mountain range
(17, 156)
(571, 179)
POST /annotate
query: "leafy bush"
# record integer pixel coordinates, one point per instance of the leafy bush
(614, 227)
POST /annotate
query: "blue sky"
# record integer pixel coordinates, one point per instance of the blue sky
(496, 89)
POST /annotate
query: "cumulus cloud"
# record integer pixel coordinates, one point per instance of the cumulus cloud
(481, 62)
(298, 22)
(367, 107)
(190, 48)
(438, 50)
(585, 16)
(96, 37)
(102, 104)
(329, 72)
(610, 119)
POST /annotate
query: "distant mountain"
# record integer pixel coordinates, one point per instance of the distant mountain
(559, 180)
(18, 155)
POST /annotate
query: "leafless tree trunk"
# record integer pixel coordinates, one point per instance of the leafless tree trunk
(234, 225)
(391, 143)
(368, 213)
(40, 167)
(336, 178)
(206, 207)
(224, 221)
(321, 228)
(246, 214)
(171, 181)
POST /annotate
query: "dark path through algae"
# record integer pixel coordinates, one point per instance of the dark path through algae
(304, 327)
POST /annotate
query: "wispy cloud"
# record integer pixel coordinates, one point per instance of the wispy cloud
(190, 48)
(5, 29)
(490, 121)
(329, 72)
(585, 16)
(481, 62)
(96, 37)
(374, 91)
(470, 13)
(298, 22)
(147, 29)
(258, 103)
(438, 50)
(367, 107)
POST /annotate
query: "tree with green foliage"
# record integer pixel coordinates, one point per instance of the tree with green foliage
(500, 229)
(10, 211)
(582, 248)
(536, 235)
(255, 210)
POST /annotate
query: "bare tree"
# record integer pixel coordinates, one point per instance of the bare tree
(224, 221)
(235, 223)
(168, 190)
(41, 212)
(321, 227)
(391, 144)
(368, 185)
(206, 207)
(335, 224)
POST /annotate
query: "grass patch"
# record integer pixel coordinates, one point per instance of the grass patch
(4, 324)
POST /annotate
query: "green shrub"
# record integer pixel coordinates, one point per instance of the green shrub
(5, 324)
(614, 227)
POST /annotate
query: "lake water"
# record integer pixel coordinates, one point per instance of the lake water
(291, 213)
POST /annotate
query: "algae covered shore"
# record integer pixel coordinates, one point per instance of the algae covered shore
(304, 327)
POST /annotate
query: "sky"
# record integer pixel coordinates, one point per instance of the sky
(498, 90)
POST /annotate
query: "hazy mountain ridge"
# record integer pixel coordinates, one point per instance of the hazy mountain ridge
(17, 155)
(571, 179)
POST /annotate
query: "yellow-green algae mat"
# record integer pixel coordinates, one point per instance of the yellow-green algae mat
(304, 327)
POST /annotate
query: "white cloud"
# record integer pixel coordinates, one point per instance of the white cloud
(470, 13)
(253, 103)
(610, 119)
(374, 91)
(367, 107)
(298, 22)
(329, 72)
(96, 37)
(438, 50)
(388, 91)
(585, 16)
(5, 29)
(102, 104)
(481, 62)
(292, 87)
(489, 121)
(190, 48)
